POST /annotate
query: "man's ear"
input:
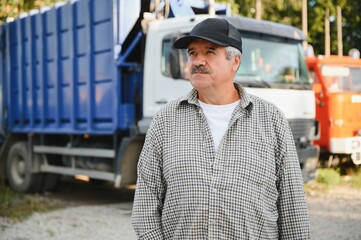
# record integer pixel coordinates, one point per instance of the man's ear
(236, 63)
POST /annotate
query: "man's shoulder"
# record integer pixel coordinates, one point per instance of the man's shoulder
(268, 110)
(261, 103)
(172, 106)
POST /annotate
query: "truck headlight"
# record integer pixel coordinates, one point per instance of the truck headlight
(355, 144)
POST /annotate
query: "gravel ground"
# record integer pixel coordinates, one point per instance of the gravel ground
(334, 215)
(105, 222)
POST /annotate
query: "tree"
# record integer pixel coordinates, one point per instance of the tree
(351, 25)
(282, 11)
(289, 12)
(12, 8)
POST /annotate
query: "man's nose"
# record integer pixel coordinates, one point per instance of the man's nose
(199, 60)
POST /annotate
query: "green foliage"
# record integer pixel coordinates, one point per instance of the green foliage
(11, 9)
(234, 5)
(290, 12)
(351, 25)
(282, 11)
(356, 180)
(18, 207)
(328, 176)
(330, 180)
(5, 196)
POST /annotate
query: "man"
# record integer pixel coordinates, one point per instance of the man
(219, 163)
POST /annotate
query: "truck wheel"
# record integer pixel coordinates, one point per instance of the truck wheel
(49, 180)
(19, 170)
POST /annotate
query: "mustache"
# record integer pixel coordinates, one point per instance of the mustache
(199, 69)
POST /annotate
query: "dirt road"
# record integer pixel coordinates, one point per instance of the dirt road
(103, 213)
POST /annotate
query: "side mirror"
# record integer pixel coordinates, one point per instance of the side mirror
(317, 88)
(178, 64)
(174, 64)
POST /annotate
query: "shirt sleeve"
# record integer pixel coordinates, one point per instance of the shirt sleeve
(293, 218)
(150, 191)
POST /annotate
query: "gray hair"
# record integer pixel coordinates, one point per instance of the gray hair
(231, 52)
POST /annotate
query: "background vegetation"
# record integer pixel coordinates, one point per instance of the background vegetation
(290, 12)
(18, 206)
(12, 8)
(283, 11)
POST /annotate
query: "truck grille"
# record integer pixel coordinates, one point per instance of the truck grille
(301, 129)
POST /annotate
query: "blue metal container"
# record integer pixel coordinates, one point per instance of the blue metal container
(61, 74)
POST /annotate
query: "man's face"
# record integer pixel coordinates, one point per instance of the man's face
(208, 66)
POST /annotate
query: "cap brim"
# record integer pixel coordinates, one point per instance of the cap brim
(183, 42)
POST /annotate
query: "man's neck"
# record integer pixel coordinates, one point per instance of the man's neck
(219, 97)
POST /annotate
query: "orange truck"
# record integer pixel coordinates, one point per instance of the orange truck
(337, 87)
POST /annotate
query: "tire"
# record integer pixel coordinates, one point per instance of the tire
(19, 170)
(50, 181)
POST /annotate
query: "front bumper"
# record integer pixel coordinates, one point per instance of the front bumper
(351, 145)
(345, 145)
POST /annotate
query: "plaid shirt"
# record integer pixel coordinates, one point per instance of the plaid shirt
(250, 188)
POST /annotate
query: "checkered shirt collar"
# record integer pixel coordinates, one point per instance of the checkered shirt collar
(245, 103)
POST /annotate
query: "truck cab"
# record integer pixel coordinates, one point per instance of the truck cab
(273, 68)
(337, 88)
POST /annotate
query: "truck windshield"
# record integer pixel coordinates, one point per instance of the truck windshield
(272, 64)
(341, 78)
(265, 64)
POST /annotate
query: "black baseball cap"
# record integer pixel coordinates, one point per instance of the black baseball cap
(215, 30)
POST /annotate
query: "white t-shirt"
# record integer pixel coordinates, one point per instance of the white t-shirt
(218, 118)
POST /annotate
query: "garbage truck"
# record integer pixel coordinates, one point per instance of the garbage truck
(337, 87)
(80, 83)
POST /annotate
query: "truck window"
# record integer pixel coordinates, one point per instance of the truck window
(264, 62)
(276, 64)
(174, 61)
(341, 78)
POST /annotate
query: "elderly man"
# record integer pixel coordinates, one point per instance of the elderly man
(219, 163)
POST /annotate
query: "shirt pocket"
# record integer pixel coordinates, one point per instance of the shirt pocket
(253, 161)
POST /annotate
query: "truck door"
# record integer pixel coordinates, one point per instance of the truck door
(165, 73)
